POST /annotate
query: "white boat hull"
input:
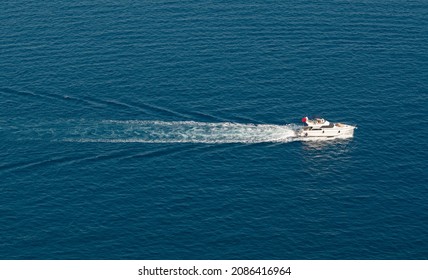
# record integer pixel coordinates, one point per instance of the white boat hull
(344, 131)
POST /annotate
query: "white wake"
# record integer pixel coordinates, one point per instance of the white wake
(178, 132)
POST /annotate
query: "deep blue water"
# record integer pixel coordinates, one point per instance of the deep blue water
(161, 129)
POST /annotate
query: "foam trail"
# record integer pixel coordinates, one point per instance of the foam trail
(178, 132)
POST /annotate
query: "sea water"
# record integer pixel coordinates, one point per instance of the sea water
(165, 129)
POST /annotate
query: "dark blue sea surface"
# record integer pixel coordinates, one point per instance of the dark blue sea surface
(164, 129)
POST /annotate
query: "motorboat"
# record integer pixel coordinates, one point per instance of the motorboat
(321, 128)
